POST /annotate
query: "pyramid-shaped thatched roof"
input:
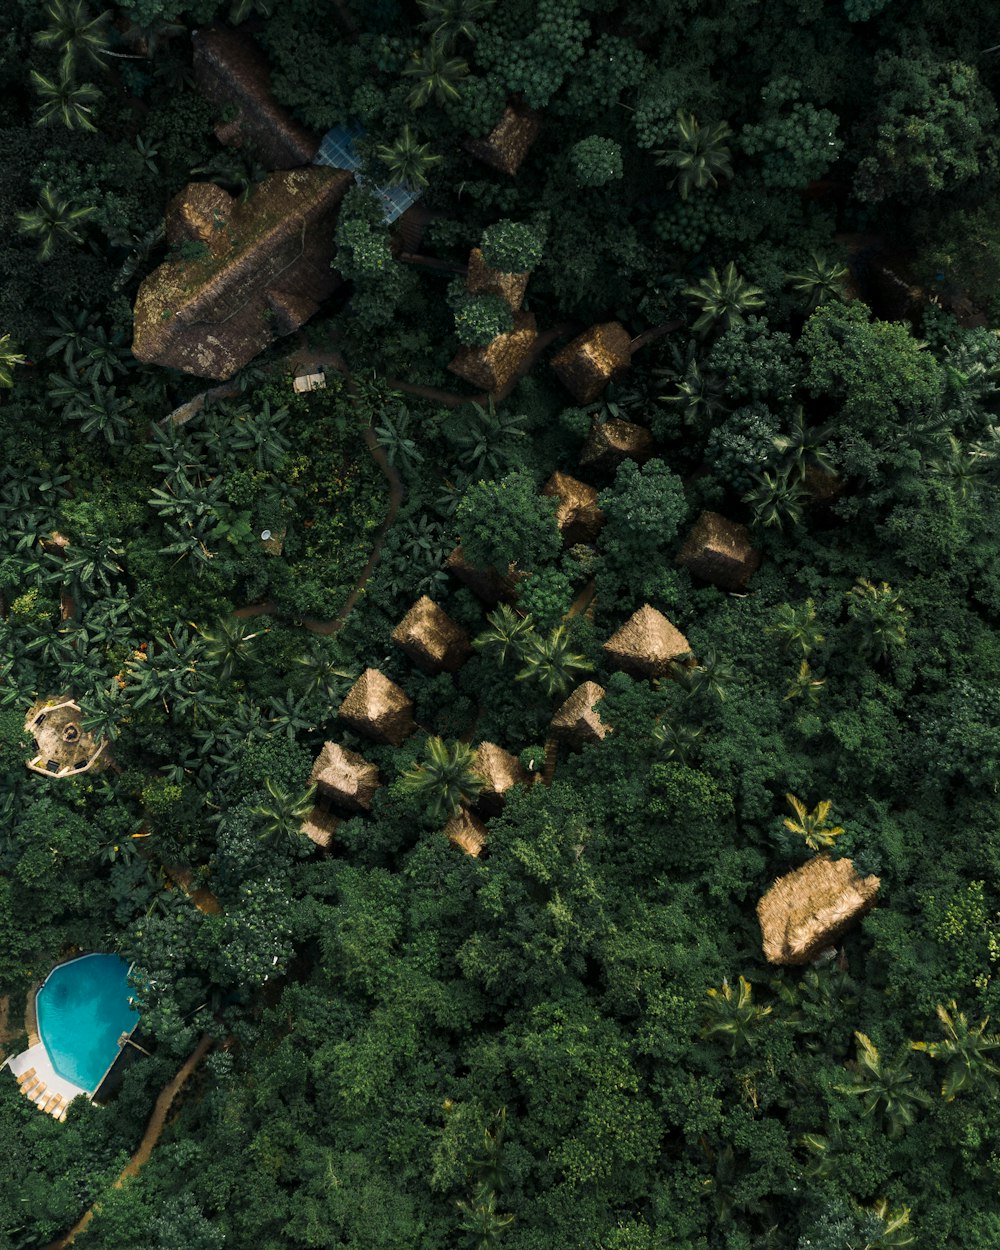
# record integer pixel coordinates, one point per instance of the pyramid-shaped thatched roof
(507, 144)
(266, 270)
(588, 363)
(577, 514)
(718, 551)
(499, 770)
(610, 442)
(482, 280)
(646, 644)
(344, 778)
(320, 826)
(377, 708)
(232, 73)
(807, 910)
(493, 366)
(466, 831)
(576, 721)
(431, 638)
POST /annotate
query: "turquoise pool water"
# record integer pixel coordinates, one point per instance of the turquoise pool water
(83, 1009)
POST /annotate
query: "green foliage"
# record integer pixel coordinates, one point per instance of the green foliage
(793, 144)
(446, 779)
(512, 246)
(726, 299)
(407, 161)
(700, 155)
(507, 521)
(480, 318)
(596, 161)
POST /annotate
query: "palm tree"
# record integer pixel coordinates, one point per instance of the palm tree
(393, 437)
(733, 1016)
(481, 1218)
(447, 778)
(888, 1089)
(551, 662)
(51, 219)
(283, 812)
(813, 827)
(965, 1049)
(437, 75)
(804, 686)
(724, 299)
(508, 633)
(965, 468)
(700, 156)
(797, 628)
(677, 739)
(713, 675)
(806, 445)
(228, 642)
(776, 499)
(75, 32)
(9, 357)
(321, 671)
(65, 100)
(446, 21)
(486, 440)
(406, 160)
(103, 412)
(820, 280)
(881, 615)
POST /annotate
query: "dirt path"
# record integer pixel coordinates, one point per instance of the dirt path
(149, 1139)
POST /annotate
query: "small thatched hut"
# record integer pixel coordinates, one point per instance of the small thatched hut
(482, 280)
(488, 584)
(718, 551)
(466, 831)
(807, 910)
(65, 749)
(610, 442)
(493, 366)
(576, 721)
(232, 73)
(378, 709)
(577, 514)
(587, 364)
(431, 639)
(499, 770)
(646, 644)
(319, 827)
(507, 144)
(344, 778)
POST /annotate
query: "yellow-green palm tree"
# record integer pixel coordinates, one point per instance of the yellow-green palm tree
(812, 826)
(966, 1050)
(446, 777)
(65, 100)
(9, 357)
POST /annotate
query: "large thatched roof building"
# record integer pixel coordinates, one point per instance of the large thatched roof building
(431, 639)
(493, 366)
(588, 363)
(718, 551)
(577, 514)
(612, 441)
(378, 709)
(646, 645)
(344, 778)
(500, 771)
(64, 748)
(576, 721)
(232, 73)
(507, 144)
(265, 268)
(807, 910)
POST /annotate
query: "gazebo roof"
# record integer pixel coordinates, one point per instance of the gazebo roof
(646, 644)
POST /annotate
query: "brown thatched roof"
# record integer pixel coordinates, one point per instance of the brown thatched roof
(267, 269)
(344, 778)
(646, 644)
(466, 831)
(492, 366)
(507, 144)
(718, 551)
(499, 770)
(230, 71)
(587, 364)
(319, 827)
(576, 721)
(577, 514)
(808, 909)
(610, 442)
(377, 708)
(64, 748)
(482, 280)
(488, 584)
(431, 638)
(197, 214)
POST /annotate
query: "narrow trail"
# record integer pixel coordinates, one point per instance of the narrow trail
(149, 1139)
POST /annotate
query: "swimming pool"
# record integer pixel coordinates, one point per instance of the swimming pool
(83, 1009)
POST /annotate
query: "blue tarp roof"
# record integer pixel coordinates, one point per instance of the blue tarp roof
(337, 150)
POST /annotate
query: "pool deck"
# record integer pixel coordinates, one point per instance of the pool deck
(37, 1057)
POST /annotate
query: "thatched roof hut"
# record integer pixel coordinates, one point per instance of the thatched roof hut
(466, 831)
(378, 709)
(488, 584)
(576, 720)
(588, 363)
(65, 749)
(482, 280)
(807, 910)
(612, 441)
(499, 770)
(507, 144)
(646, 644)
(431, 639)
(493, 366)
(344, 778)
(577, 514)
(320, 826)
(718, 551)
(232, 73)
(265, 272)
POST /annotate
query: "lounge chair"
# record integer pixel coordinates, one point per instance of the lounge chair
(53, 1105)
(29, 1085)
(25, 1076)
(38, 1091)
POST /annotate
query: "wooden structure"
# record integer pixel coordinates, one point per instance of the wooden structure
(612, 441)
(588, 363)
(577, 514)
(378, 709)
(718, 551)
(482, 280)
(431, 639)
(576, 721)
(64, 748)
(466, 831)
(807, 910)
(344, 778)
(507, 144)
(646, 645)
(492, 367)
